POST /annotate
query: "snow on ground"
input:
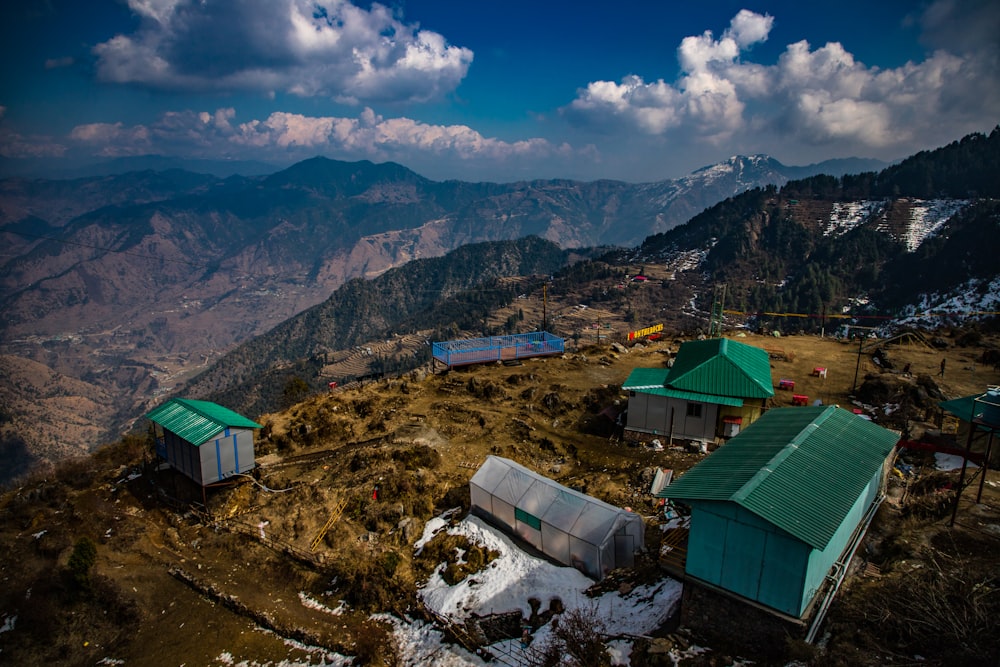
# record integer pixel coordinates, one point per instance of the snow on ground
(319, 606)
(846, 216)
(927, 217)
(973, 299)
(509, 580)
(504, 585)
(950, 461)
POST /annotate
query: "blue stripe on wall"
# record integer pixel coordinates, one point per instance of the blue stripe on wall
(236, 452)
(218, 458)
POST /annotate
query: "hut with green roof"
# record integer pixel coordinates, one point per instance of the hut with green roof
(714, 388)
(777, 511)
(203, 440)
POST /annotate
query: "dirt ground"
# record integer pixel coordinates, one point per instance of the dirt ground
(346, 480)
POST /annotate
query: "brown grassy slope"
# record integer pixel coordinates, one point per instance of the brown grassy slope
(419, 438)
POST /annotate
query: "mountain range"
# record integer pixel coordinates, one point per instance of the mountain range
(134, 283)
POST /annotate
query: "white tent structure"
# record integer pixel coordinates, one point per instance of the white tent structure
(570, 527)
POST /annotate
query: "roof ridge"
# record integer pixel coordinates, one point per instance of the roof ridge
(189, 404)
(779, 457)
(699, 365)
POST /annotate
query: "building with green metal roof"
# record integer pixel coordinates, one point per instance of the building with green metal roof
(205, 441)
(714, 388)
(776, 508)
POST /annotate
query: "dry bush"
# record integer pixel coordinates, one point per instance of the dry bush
(77, 473)
(445, 548)
(945, 611)
(418, 456)
(375, 645)
(372, 583)
(130, 450)
(577, 640)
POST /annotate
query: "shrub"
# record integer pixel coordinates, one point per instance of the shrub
(80, 561)
(577, 639)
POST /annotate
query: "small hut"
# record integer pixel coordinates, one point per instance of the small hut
(203, 440)
(510, 348)
(778, 510)
(979, 417)
(566, 525)
(714, 388)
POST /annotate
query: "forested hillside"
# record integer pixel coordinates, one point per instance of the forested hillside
(451, 294)
(818, 245)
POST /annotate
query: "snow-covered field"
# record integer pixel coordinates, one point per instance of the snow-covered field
(974, 299)
(504, 585)
(507, 583)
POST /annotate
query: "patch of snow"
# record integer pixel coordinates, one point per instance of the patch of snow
(974, 299)
(8, 623)
(39, 534)
(419, 643)
(514, 576)
(620, 652)
(319, 606)
(846, 216)
(927, 217)
(950, 461)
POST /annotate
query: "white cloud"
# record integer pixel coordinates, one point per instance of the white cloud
(812, 96)
(748, 28)
(113, 139)
(332, 49)
(284, 136)
(16, 145)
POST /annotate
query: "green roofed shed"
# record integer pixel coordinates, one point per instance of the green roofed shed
(775, 508)
(723, 367)
(204, 440)
(714, 388)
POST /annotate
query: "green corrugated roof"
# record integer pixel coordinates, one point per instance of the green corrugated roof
(717, 370)
(693, 396)
(801, 469)
(723, 367)
(196, 421)
(646, 378)
(983, 408)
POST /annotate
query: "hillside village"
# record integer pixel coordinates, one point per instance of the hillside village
(350, 540)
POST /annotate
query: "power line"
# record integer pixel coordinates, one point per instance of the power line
(944, 313)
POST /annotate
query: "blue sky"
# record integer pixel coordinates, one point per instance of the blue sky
(497, 90)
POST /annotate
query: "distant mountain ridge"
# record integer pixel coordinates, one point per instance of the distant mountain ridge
(811, 247)
(138, 282)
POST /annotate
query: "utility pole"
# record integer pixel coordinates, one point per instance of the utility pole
(861, 342)
(718, 305)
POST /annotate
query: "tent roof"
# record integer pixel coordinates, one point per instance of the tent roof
(983, 409)
(583, 516)
(196, 421)
(800, 469)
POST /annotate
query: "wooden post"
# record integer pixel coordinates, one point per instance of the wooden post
(965, 464)
(986, 466)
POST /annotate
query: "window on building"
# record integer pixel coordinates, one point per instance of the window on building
(694, 410)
